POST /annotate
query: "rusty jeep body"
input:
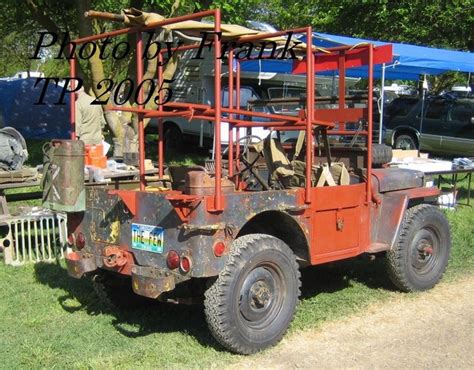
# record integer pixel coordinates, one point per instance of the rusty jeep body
(238, 231)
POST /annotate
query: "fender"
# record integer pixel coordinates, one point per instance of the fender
(387, 219)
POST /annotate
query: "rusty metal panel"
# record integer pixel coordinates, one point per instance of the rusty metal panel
(391, 179)
(151, 282)
(108, 223)
(387, 219)
(338, 227)
(80, 263)
(334, 197)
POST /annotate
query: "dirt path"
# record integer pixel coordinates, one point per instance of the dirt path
(431, 330)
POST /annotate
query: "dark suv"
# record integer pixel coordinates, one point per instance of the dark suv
(447, 126)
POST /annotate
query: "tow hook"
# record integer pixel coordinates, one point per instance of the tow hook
(114, 257)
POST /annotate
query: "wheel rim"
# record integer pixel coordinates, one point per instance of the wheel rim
(261, 296)
(405, 143)
(425, 251)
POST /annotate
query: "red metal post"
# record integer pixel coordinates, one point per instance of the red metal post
(309, 111)
(218, 106)
(141, 133)
(369, 136)
(160, 120)
(72, 100)
(237, 105)
(231, 105)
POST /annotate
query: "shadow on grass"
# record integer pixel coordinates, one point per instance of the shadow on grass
(164, 318)
(336, 276)
(154, 318)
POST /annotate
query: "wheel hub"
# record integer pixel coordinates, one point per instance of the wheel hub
(260, 294)
(424, 251)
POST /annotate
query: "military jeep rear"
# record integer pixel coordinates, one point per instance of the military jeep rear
(238, 230)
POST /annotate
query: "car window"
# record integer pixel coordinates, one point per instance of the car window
(461, 111)
(400, 107)
(246, 94)
(286, 93)
(437, 109)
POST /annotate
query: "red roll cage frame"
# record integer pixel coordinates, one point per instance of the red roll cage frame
(339, 58)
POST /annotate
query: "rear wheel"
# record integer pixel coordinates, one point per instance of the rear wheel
(251, 304)
(420, 256)
(406, 142)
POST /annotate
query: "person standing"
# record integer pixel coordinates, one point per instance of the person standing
(90, 119)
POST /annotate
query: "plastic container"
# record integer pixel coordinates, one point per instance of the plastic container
(94, 156)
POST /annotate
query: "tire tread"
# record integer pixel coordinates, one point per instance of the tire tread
(215, 307)
(394, 258)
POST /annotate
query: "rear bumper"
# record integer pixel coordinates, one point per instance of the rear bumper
(146, 281)
(79, 264)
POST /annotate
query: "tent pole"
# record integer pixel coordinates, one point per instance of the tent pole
(382, 99)
(425, 87)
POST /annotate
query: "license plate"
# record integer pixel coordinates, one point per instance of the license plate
(147, 238)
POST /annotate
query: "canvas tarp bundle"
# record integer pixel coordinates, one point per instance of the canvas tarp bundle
(193, 29)
(13, 151)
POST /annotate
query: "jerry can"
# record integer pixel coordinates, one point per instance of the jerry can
(63, 176)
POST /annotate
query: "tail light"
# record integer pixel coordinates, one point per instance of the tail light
(80, 241)
(219, 249)
(185, 264)
(173, 260)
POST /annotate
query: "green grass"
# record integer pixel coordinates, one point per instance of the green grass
(51, 320)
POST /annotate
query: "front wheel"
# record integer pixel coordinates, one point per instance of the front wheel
(420, 256)
(251, 304)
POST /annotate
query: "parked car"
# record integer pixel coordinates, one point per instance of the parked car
(446, 128)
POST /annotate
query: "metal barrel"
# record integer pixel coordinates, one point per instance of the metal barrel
(63, 176)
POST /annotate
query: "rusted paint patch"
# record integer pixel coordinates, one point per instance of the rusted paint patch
(151, 282)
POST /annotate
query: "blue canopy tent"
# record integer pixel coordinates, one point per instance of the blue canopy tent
(409, 62)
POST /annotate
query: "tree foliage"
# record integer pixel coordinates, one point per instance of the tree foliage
(439, 23)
